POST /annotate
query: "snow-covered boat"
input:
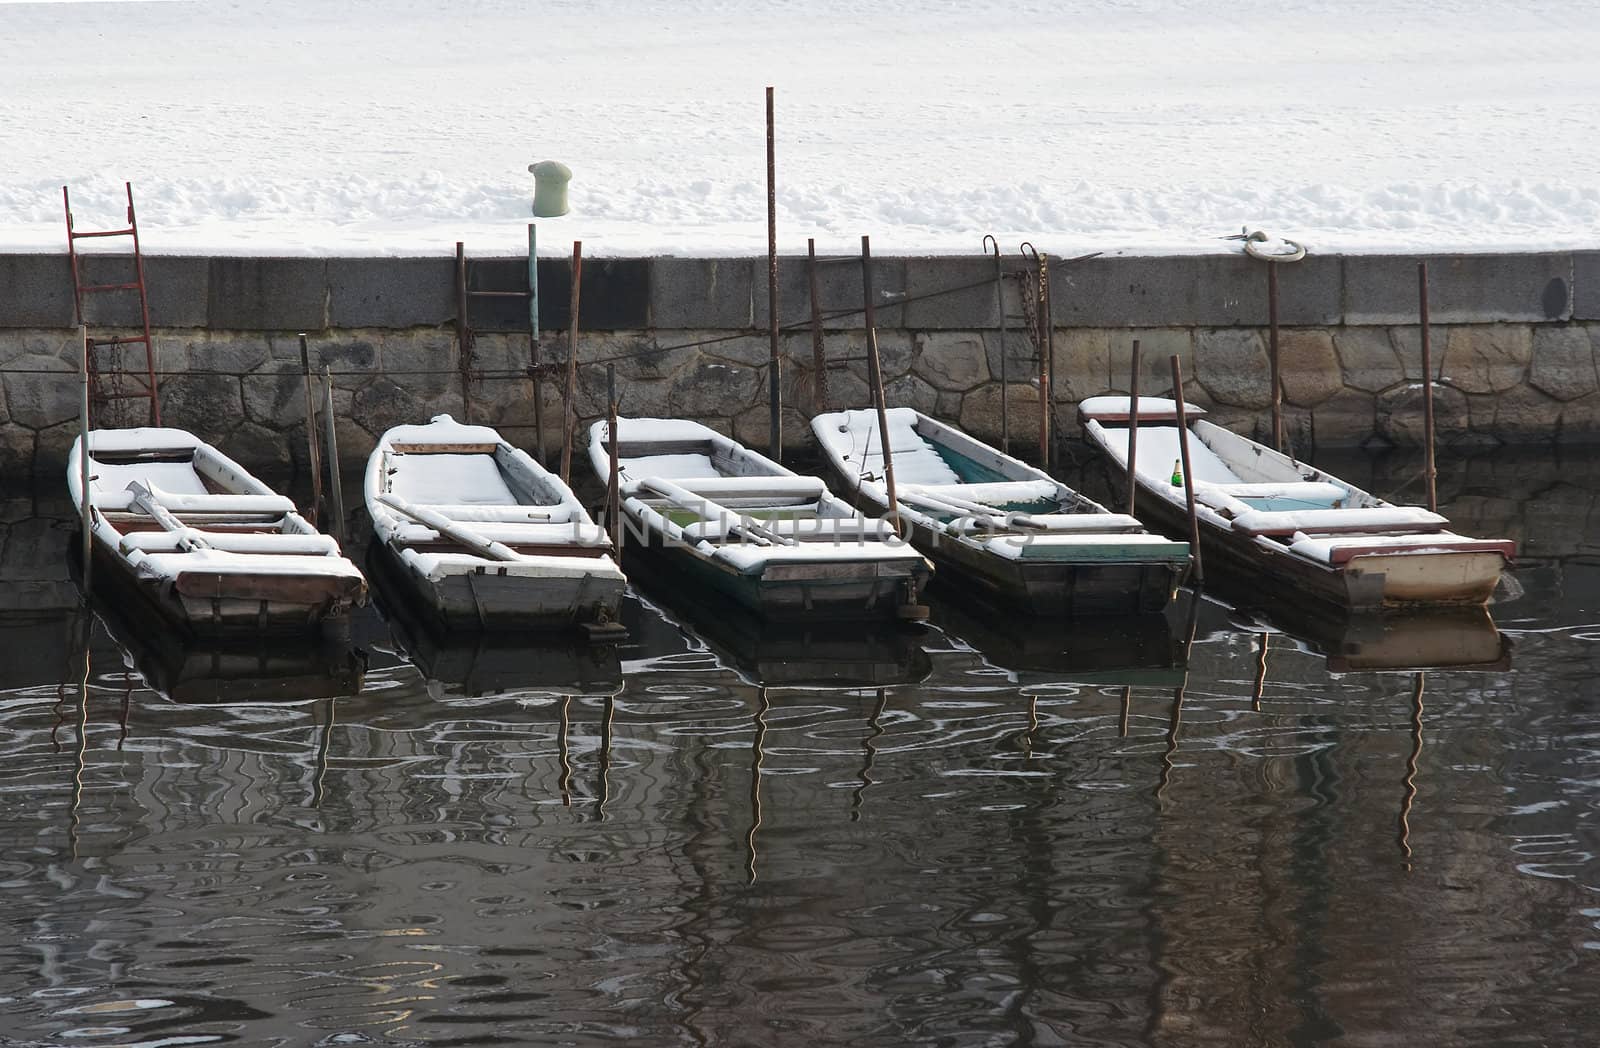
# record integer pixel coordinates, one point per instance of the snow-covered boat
(998, 524)
(1265, 516)
(212, 548)
(485, 536)
(738, 523)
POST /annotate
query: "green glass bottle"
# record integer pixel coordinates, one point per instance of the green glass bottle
(1177, 473)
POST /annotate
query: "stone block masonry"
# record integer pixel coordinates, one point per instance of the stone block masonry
(1516, 341)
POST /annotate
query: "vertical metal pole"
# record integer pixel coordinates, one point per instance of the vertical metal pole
(1047, 393)
(1272, 356)
(775, 390)
(614, 484)
(313, 453)
(1000, 305)
(144, 313)
(1427, 391)
(463, 334)
(569, 423)
(1133, 428)
(533, 341)
(1188, 473)
(819, 352)
(875, 374)
(84, 510)
(335, 481)
(1040, 322)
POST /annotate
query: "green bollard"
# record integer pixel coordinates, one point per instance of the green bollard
(550, 180)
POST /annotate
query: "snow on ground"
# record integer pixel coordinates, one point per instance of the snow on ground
(361, 127)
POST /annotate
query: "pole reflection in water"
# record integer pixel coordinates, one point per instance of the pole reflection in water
(1411, 768)
(1175, 718)
(858, 796)
(324, 739)
(756, 757)
(604, 792)
(1261, 672)
(563, 754)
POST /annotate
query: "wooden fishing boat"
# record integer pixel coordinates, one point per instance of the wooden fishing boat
(485, 536)
(739, 524)
(1270, 518)
(210, 547)
(999, 525)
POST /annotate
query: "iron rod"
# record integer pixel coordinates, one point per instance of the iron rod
(1000, 306)
(1047, 391)
(335, 481)
(1428, 467)
(819, 352)
(1188, 473)
(614, 483)
(462, 334)
(313, 452)
(533, 341)
(569, 410)
(85, 511)
(1272, 356)
(1133, 427)
(875, 373)
(775, 372)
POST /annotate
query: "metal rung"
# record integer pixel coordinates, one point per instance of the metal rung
(120, 340)
(498, 294)
(111, 287)
(74, 235)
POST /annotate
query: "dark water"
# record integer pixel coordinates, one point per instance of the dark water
(997, 847)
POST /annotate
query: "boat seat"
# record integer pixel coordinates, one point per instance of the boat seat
(671, 467)
(473, 513)
(994, 493)
(1337, 551)
(753, 487)
(1377, 520)
(511, 534)
(184, 502)
(1305, 494)
(276, 544)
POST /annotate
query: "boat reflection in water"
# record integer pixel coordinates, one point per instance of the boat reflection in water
(1463, 638)
(233, 670)
(766, 654)
(1130, 650)
(472, 663)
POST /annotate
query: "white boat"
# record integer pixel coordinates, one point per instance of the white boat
(1264, 516)
(998, 524)
(487, 537)
(210, 547)
(739, 524)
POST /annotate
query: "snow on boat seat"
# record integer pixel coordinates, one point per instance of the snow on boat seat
(992, 493)
(751, 487)
(448, 479)
(672, 467)
(569, 533)
(1151, 409)
(1343, 550)
(811, 529)
(915, 460)
(1379, 519)
(275, 544)
(223, 562)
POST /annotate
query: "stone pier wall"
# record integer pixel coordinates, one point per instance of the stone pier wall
(1515, 343)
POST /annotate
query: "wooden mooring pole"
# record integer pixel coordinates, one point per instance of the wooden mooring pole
(569, 403)
(533, 341)
(335, 482)
(1188, 472)
(1272, 357)
(875, 375)
(775, 366)
(1133, 427)
(85, 512)
(819, 351)
(313, 452)
(1428, 469)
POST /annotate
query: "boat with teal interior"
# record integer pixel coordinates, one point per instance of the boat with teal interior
(997, 524)
(728, 519)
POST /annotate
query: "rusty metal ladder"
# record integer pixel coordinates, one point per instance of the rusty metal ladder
(148, 390)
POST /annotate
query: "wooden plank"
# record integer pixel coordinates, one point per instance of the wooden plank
(444, 449)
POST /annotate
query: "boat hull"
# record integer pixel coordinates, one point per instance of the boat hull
(814, 590)
(488, 600)
(1364, 583)
(1052, 588)
(221, 605)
